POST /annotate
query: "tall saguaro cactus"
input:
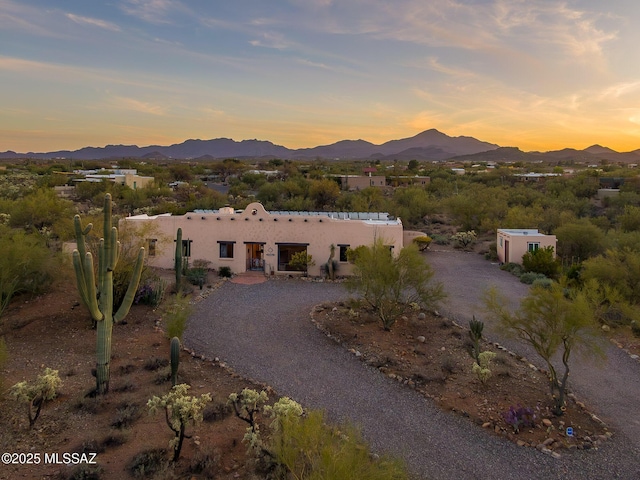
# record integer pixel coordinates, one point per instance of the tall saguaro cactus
(99, 299)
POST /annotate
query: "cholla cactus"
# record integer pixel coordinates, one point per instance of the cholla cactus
(464, 239)
(99, 301)
(482, 369)
(35, 394)
(284, 409)
(180, 410)
(247, 404)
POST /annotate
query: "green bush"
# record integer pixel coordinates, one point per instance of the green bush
(441, 240)
(225, 272)
(309, 448)
(197, 275)
(541, 261)
(530, 277)
(635, 328)
(512, 268)
(542, 282)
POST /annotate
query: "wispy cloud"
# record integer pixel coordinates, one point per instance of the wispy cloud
(271, 40)
(157, 12)
(133, 104)
(93, 22)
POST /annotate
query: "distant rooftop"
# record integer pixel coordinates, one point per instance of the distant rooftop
(520, 231)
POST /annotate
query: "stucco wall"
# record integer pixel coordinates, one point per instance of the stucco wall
(512, 245)
(205, 230)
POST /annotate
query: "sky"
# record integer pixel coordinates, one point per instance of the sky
(535, 74)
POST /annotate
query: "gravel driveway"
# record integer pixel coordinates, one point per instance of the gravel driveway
(263, 331)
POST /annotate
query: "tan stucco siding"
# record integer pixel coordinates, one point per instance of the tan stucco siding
(511, 246)
(205, 231)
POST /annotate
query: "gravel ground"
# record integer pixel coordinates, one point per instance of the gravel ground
(263, 331)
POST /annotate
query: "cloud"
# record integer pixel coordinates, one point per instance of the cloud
(93, 22)
(136, 105)
(271, 40)
(157, 12)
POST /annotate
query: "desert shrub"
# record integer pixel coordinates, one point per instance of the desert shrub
(206, 463)
(225, 272)
(127, 386)
(197, 274)
(126, 369)
(36, 393)
(530, 277)
(155, 363)
(441, 239)
(541, 261)
(162, 377)
(519, 417)
(149, 463)
(126, 415)
(114, 440)
(635, 328)
(151, 292)
(423, 242)
(475, 335)
(85, 472)
(309, 448)
(542, 282)
(216, 410)
(176, 316)
(513, 268)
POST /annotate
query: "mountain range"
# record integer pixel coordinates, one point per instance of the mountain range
(428, 145)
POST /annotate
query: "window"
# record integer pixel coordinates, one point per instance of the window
(343, 252)
(151, 246)
(500, 241)
(286, 251)
(533, 246)
(186, 248)
(226, 249)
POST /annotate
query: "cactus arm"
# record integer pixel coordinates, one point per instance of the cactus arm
(86, 285)
(92, 297)
(106, 227)
(131, 289)
(113, 249)
(101, 266)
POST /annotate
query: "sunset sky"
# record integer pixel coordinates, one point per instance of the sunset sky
(539, 75)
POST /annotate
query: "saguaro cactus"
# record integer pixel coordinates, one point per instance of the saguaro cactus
(178, 260)
(99, 300)
(175, 360)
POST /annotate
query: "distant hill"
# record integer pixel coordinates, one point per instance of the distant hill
(430, 145)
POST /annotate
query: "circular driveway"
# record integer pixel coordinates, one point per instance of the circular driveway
(263, 331)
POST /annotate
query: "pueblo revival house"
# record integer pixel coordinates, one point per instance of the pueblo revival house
(254, 239)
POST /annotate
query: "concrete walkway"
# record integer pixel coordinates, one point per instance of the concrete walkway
(263, 331)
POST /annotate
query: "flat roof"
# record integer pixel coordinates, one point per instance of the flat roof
(520, 231)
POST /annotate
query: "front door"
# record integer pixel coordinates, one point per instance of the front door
(254, 256)
(506, 251)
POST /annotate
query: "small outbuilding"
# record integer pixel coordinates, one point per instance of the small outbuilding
(512, 244)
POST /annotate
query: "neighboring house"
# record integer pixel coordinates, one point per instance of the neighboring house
(360, 182)
(255, 239)
(512, 244)
(128, 177)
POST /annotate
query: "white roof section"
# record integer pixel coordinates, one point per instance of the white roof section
(517, 232)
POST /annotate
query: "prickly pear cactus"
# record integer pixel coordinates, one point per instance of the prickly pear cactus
(99, 298)
(175, 360)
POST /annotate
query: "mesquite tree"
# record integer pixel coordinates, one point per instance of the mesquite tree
(99, 299)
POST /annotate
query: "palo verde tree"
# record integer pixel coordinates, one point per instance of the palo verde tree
(99, 301)
(550, 321)
(389, 283)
